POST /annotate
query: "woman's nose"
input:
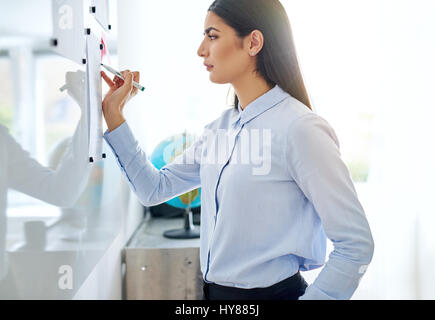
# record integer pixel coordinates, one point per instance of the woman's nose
(201, 50)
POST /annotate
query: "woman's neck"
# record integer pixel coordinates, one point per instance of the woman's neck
(249, 89)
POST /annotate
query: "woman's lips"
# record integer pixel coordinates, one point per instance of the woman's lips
(208, 66)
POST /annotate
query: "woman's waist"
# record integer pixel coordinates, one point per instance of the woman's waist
(248, 274)
(295, 280)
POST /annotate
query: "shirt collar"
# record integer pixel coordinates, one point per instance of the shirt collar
(260, 105)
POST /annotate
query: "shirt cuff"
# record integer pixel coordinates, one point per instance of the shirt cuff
(314, 293)
(121, 140)
(123, 145)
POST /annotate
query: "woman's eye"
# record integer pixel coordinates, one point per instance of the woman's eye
(210, 36)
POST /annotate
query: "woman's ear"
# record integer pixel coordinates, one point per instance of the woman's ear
(256, 41)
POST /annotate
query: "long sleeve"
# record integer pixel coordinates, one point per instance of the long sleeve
(154, 186)
(61, 187)
(314, 162)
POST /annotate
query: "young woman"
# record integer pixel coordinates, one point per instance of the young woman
(273, 183)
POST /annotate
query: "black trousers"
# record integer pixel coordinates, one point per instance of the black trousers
(288, 289)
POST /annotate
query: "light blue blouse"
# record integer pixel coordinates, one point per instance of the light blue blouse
(273, 187)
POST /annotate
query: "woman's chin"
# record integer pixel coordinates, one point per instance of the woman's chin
(217, 80)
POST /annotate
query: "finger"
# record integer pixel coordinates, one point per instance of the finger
(128, 84)
(133, 91)
(119, 82)
(136, 78)
(109, 82)
(124, 73)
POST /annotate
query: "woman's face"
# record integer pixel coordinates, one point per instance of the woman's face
(224, 51)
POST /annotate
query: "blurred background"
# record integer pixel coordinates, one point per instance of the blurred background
(369, 69)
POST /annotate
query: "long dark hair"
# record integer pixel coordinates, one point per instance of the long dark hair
(277, 61)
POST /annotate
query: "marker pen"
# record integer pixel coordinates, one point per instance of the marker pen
(117, 73)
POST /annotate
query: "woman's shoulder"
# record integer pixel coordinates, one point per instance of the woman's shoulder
(298, 121)
(298, 114)
(310, 126)
(292, 109)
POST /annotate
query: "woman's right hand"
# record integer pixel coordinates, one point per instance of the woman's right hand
(120, 91)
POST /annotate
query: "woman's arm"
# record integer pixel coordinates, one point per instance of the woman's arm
(315, 164)
(152, 186)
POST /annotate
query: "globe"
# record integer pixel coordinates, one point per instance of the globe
(165, 152)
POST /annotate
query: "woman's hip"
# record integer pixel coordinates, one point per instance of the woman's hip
(288, 289)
